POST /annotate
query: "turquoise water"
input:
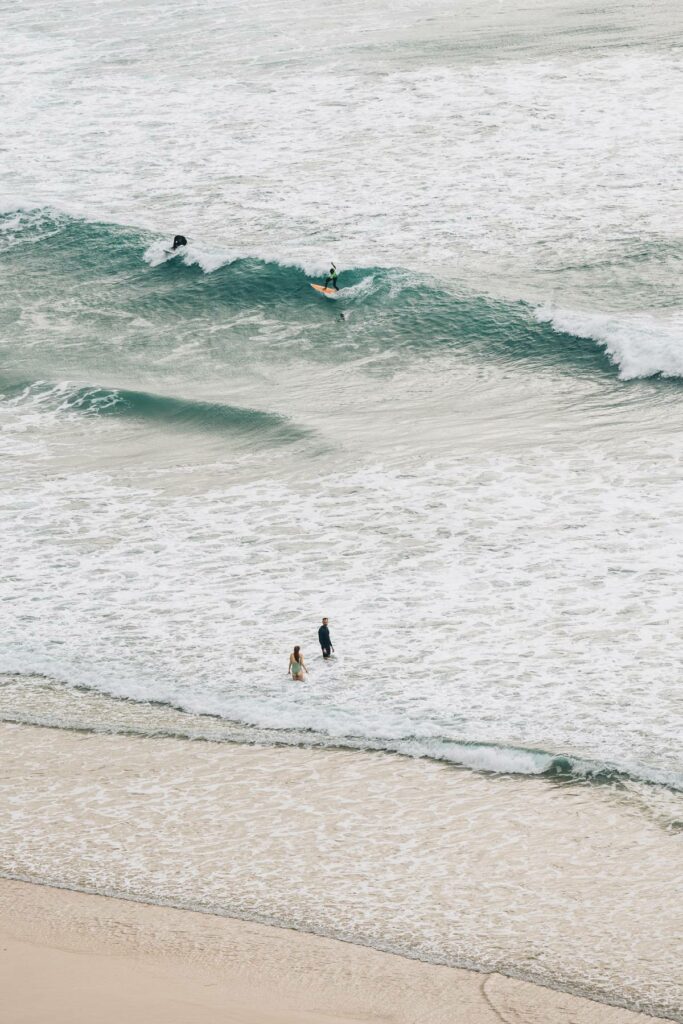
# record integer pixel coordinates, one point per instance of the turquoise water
(470, 461)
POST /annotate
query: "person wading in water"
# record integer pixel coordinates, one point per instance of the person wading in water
(324, 638)
(297, 666)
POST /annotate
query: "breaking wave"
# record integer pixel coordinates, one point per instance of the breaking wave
(125, 273)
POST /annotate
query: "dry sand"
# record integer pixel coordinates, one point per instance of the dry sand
(71, 958)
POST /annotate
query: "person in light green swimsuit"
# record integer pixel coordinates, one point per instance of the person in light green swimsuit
(297, 666)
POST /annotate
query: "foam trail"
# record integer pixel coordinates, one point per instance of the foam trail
(159, 252)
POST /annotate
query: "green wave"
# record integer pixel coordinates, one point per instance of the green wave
(165, 409)
(101, 285)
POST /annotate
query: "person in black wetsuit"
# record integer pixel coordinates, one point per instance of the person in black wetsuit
(324, 638)
(332, 278)
(178, 241)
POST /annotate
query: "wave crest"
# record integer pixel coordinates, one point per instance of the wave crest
(639, 344)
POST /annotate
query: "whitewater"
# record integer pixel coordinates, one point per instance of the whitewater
(471, 461)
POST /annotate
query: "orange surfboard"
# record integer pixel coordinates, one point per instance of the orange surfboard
(330, 293)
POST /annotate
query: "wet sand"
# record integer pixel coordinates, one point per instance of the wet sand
(568, 887)
(71, 958)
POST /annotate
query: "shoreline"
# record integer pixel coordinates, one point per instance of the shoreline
(509, 972)
(100, 712)
(417, 860)
(99, 958)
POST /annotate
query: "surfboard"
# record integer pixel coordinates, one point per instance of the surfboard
(329, 293)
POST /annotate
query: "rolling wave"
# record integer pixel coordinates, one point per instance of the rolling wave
(67, 397)
(111, 273)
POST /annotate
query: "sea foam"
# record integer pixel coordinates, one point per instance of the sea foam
(640, 344)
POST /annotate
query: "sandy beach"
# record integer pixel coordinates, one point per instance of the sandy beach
(441, 866)
(72, 958)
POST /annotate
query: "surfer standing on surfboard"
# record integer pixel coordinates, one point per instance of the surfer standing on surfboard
(332, 278)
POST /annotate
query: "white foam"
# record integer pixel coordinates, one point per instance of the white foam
(363, 288)
(208, 261)
(191, 255)
(158, 253)
(641, 344)
(452, 615)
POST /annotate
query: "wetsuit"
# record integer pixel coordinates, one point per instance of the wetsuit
(178, 241)
(325, 642)
(332, 279)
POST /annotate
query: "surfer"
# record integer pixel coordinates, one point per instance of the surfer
(324, 638)
(297, 666)
(332, 278)
(178, 241)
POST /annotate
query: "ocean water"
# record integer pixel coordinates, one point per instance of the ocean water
(470, 461)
